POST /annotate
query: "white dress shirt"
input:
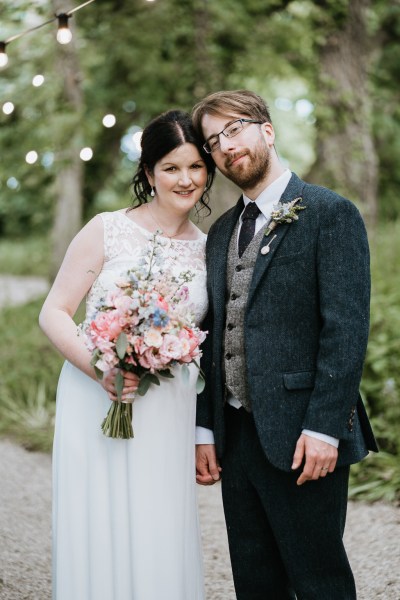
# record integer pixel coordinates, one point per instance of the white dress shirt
(265, 202)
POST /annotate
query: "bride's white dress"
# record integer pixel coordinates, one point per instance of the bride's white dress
(125, 519)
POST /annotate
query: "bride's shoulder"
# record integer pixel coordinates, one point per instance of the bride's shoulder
(112, 215)
(200, 236)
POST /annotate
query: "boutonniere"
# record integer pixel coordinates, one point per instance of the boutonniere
(284, 213)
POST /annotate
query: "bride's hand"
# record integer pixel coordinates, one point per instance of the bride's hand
(131, 382)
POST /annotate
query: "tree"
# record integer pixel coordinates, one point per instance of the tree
(346, 152)
(69, 176)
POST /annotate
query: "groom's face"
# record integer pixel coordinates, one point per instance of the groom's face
(245, 158)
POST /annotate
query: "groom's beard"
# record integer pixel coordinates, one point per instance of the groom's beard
(253, 171)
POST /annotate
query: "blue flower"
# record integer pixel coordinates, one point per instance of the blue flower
(160, 318)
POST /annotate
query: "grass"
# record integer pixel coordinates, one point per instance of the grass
(25, 256)
(29, 368)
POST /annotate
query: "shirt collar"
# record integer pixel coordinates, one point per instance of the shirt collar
(271, 194)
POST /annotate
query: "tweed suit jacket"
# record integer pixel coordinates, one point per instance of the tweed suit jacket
(305, 329)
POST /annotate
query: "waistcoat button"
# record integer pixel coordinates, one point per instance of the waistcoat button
(238, 268)
(228, 356)
(230, 326)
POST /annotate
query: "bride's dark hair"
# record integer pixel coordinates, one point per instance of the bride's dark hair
(162, 135)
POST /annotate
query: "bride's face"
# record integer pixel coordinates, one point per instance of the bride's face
(179, 178)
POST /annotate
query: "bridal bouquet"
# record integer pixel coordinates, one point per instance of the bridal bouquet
(144, 326)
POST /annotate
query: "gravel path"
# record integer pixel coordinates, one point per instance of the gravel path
(17, 290)
(372, 536)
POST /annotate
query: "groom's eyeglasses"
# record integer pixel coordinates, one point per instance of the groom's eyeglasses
(230, 131)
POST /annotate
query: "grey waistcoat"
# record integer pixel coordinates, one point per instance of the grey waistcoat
(239, 275)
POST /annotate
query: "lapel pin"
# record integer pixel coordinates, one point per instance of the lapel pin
(265, 249)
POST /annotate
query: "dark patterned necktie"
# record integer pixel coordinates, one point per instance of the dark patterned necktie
(248, 227)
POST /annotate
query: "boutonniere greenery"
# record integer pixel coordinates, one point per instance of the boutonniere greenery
(284, 213)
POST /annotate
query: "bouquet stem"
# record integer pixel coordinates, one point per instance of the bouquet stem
(118, 422)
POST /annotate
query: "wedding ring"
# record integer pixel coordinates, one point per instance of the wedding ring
(324, 468)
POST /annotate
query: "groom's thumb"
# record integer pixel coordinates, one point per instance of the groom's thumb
(298, 453)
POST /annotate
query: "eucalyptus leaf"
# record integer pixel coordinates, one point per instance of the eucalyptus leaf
(145, 382)
(185, 374)
(200, 384)
(121, 345)
(166, 373)
(153, 378)
(95, 357)
(99, 374)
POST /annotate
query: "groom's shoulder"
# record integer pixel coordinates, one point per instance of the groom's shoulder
(321, 194)
(325, 200)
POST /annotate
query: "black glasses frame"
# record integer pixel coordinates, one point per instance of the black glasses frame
(207, 148)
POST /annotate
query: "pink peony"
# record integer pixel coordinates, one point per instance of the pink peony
(153, 338)
(171, 347)
(152, 361)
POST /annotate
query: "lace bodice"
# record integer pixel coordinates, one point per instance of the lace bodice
(124, 244)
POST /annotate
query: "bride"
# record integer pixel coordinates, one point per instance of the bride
(125, 521)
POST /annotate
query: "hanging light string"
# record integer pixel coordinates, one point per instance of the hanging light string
(62, 25)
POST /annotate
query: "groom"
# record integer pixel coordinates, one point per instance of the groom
(288, 285)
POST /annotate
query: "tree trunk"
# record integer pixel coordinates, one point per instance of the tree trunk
(69, 177)
(346, 156)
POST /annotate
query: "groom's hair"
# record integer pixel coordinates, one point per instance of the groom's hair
(231, 103)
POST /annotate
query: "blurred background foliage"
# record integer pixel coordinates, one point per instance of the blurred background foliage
(329, 70)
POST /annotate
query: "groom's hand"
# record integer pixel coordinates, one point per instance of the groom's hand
(320, 458)
(207, 467)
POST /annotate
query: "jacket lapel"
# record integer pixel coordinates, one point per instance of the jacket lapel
(219, 257)
(275, 238)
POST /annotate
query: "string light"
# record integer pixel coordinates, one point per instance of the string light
(64, 34)
(31, 157)
(3, 55)
(109, 121)
(38, 80)
(8, 108)
(86, 154)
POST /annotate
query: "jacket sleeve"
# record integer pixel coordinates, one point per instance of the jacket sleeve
(343, 273)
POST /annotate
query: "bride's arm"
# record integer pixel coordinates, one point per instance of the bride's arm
(82, 264)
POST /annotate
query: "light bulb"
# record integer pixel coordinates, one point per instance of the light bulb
(8, 108)
(109, 120)
(64, 35)
(3, 55)
(31, 157)
(86, 154)
(38, 80)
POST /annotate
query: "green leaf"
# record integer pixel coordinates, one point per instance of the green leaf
(200, 383)
(119, 384)
(166, 373)
(145, 382)
(99, 374)
(153, 378)
(121, 344)
(95, 357)
(185, 374)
